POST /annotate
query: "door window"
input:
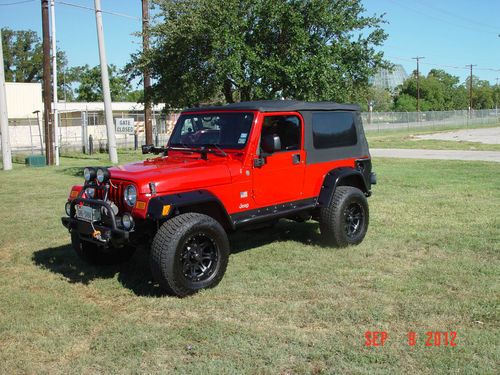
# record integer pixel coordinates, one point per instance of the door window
(287, 128)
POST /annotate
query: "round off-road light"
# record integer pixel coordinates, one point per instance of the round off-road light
(102, 175)
(67, 208)
(90, 192)
(89, 174)
(130, 195)
(127, 221)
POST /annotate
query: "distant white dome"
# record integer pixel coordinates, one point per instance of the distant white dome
(386, 79)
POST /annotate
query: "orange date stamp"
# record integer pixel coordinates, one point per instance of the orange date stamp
(429, 338)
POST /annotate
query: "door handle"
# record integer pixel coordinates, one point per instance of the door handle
(296, 158)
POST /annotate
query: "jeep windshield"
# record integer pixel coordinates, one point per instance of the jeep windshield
(229, 130)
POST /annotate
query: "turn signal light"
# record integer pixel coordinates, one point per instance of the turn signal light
(166, 210)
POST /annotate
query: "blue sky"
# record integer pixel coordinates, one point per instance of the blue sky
(449, 33)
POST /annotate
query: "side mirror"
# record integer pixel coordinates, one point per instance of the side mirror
(147, 149)
(271, 143)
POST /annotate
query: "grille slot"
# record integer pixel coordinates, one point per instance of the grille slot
(116, 194)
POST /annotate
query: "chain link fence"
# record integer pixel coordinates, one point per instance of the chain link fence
(77, 127)
(386, 121)
(81, 130)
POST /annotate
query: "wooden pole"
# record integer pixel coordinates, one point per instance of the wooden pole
(47, 92)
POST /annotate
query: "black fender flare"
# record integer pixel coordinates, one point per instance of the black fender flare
(338, 177)
(180, 200)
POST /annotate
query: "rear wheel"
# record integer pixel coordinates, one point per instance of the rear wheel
(345, 221)
(189, 252)
(93, 254)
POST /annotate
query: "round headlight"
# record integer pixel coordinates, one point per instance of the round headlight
(127, 221)
(102, 175)
(89, 174)
(90, 192)
(130, 195)
(67, 208)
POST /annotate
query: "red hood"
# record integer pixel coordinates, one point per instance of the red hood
(174, 173)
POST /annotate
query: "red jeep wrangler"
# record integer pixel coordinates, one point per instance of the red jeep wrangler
(225, 168)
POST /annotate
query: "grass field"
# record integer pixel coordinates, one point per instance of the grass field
(405, 138)
(287, 305)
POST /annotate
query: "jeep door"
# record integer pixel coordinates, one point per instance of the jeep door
(278, 175)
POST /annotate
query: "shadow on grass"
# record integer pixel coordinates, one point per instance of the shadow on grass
(134, 274)
(72, 171)
(286, 230)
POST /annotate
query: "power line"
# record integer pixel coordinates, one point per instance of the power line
(17, 2)
(441, 19)
(102, 11)
(441, 65)
(466, 19)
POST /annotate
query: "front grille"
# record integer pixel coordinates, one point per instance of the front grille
(115, 194)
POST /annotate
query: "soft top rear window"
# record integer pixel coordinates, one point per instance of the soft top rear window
(333, 129)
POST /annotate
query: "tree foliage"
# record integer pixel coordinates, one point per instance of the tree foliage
(441, 91)
(23, 58)
(381, 99)
(88, 84)
(231, 50)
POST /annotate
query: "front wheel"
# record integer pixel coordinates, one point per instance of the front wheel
(345, 221)
(189, 252)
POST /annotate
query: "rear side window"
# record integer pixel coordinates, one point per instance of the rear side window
(333, 129)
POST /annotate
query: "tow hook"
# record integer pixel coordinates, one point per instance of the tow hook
(96, 234)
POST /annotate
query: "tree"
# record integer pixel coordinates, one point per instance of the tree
(23, 58)
(230, 50)
(380, 98)
(496, 95)
(405, 103)
(439, 91)
(483, 96)
(89, 85)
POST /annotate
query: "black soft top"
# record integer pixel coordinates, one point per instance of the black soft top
(279, 106)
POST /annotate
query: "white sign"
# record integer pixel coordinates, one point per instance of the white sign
(124, 125)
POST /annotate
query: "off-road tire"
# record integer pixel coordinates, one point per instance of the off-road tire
(334, 220)
(94, 254)
(174, 240)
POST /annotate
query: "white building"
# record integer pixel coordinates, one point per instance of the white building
(77, 120)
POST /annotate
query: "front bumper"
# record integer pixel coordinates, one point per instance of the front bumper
(109, 234)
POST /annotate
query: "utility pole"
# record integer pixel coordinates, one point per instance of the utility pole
(496, 97)
(47, 100)
(470, 88)
(55, 116)
(418, 84)
(4, 118)
(148, 124)
(110, 127)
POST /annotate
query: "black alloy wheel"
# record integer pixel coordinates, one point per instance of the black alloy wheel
(354, 217)
(199, 258)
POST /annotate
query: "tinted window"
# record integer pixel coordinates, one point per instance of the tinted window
(286, 127)
(333, 129)
(227, 130)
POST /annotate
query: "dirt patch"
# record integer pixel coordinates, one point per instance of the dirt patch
(487, 135)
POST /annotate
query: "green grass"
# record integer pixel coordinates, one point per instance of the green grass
(430, 262)
(406, 139)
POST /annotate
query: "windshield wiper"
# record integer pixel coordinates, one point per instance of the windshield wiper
(215, 145)
(203, 149)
